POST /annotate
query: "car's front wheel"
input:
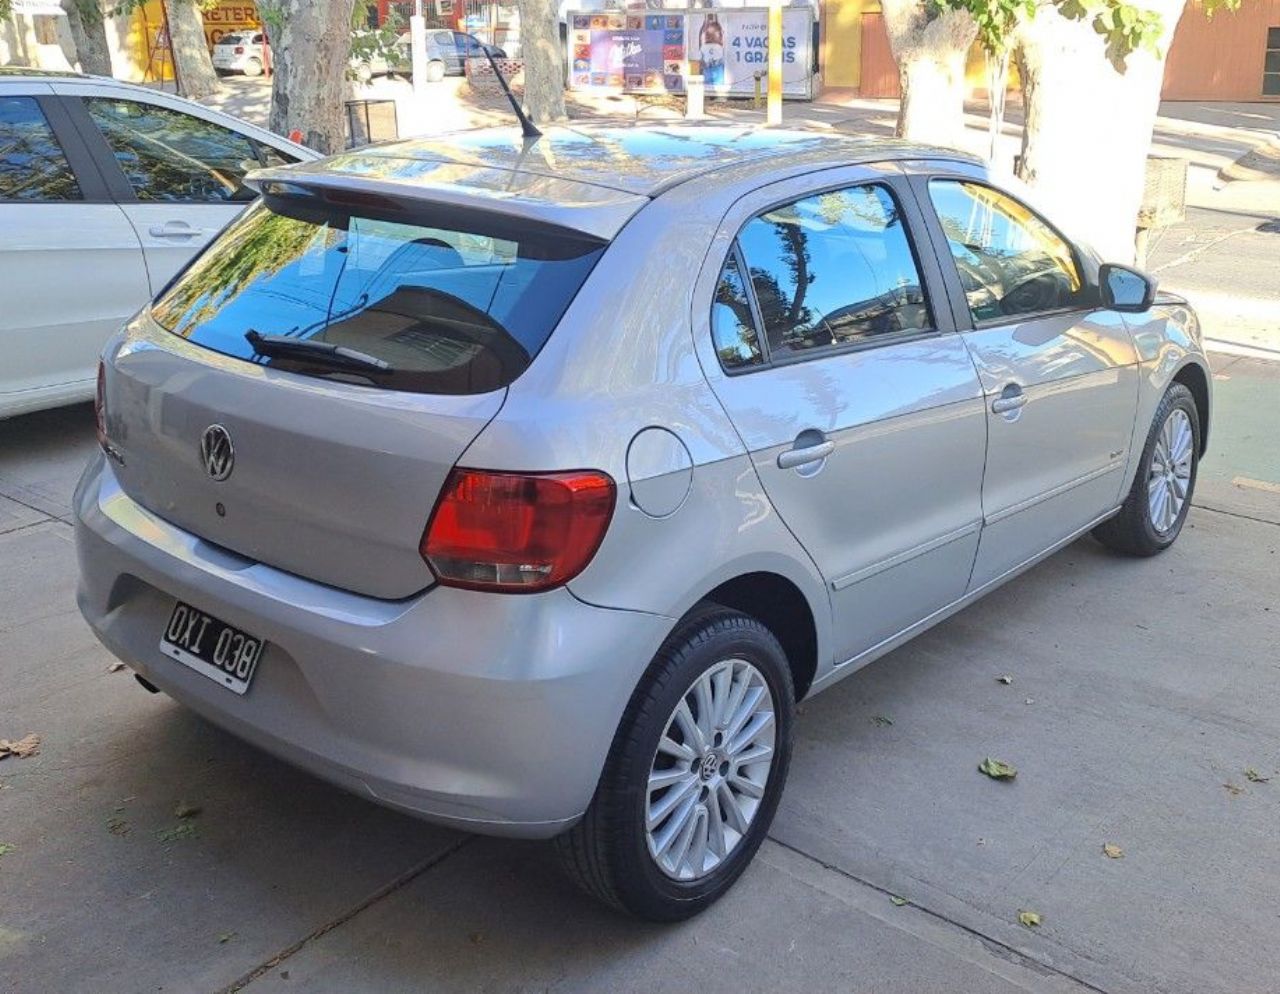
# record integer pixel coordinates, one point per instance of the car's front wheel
(695, 772)
(1156, 508)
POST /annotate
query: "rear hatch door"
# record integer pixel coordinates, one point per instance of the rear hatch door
(233, 419)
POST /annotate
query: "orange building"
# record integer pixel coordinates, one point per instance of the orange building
(1234, 55)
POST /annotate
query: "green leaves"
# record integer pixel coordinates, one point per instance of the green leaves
(997, 769)
(1124, 27)
(1030, 919)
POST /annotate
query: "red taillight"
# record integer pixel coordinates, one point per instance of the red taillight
(239, 50)
(516, 532)
(100, 406)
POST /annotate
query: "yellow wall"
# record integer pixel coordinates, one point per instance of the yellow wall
(841, 56)
(132, 37)
(140, 29)
(228, 16)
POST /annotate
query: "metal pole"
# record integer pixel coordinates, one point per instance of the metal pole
(773, 109)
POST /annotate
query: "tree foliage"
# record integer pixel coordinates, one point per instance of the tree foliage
(1124, 27)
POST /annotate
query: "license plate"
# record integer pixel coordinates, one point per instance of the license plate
(221, 652)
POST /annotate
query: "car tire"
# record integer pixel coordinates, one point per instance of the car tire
(253, 67)
(1151, 517)
(637, 846)
(435, 71)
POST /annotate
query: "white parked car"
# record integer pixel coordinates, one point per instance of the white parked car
(106, 190)
(242, 51)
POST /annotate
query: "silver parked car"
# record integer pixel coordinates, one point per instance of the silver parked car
(526, 486)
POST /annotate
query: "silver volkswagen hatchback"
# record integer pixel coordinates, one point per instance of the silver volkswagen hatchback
(527, 485)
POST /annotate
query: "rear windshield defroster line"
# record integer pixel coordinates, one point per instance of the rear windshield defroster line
(452, 304)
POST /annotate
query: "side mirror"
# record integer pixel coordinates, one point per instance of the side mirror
(1126, 289)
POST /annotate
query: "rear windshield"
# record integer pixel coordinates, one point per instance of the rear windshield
(454, 309)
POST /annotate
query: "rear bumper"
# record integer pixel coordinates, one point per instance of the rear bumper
(486, 712)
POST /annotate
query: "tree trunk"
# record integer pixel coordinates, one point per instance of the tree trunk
(89, 31)
(309, 53)
(543, 60)
(1088, 126)
(931, 49)
(191, 58)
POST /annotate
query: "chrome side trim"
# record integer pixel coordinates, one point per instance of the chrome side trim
(1062, 488)
(857, 576)
(855, 663)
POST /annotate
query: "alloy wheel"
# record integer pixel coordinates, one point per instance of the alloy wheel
(1169, 478)
(709, 772)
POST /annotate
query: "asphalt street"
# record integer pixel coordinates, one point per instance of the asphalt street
(1144, 697)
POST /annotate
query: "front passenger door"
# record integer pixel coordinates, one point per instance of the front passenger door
(1059, 373)
(861, 410)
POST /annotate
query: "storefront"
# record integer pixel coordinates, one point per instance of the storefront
(1234, 55)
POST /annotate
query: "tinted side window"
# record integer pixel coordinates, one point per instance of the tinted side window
(833, 269)
(171, 156)
(733, 327)
(32, 166)
(1010, 261)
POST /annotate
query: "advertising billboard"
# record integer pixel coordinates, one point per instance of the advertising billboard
(638, 53)
(730, 46)
(648, 51)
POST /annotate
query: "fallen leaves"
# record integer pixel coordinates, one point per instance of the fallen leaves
(1030, 919)
(1006, 679)
(22, 748)
(897, 901)
(183, 831)
(117, 825)
(185, 810)
(1253, 776)
(6, 848)
(881, 720)
(1233, 789)
(226, 937)
(997, 769)
(1112, 851)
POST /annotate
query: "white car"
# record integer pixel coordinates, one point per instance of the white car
(106, 190)
(242, 51)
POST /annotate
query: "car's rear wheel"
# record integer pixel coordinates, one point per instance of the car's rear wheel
(253, 67)
(1153, 513)
(695, 772)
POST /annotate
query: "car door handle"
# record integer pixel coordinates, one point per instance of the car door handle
(174, 229)
(805, 455)
(1011, 398)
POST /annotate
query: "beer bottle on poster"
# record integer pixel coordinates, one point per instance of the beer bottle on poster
(711, 50)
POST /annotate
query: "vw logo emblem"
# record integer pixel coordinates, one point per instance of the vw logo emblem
(217, 453)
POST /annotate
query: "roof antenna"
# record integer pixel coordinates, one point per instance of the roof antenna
(526, 126)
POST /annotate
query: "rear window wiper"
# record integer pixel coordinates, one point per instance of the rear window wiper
(322, 353)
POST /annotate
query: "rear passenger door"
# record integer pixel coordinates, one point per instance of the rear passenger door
(71, 268)
(1059, 372)
(180, 178)
(818, 326)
